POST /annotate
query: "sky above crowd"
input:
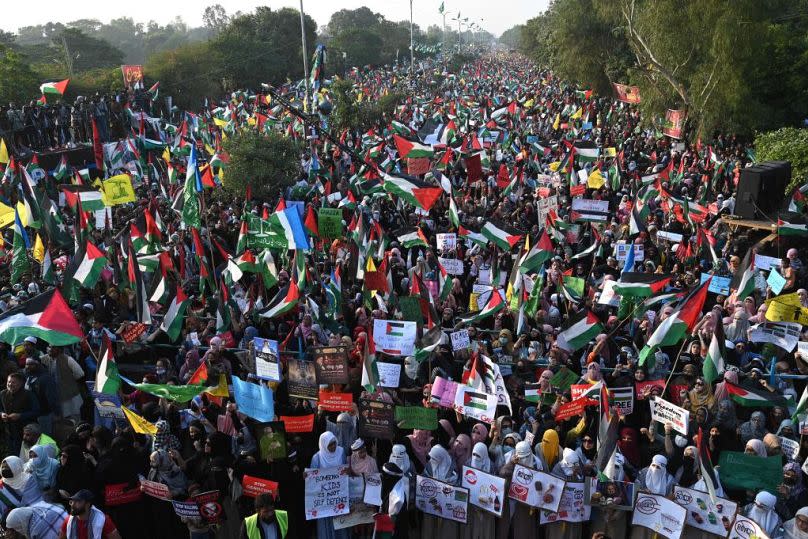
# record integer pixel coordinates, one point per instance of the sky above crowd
(495, 17)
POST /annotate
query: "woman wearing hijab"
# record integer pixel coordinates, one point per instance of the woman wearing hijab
(721, 391)
(441, 468)
(480, 524)
(420, 442)
(792, 494)
(797, 527)
(516, 517)
(163, 469)
(549, 449)
(164, 440)
(445, 434)
(701, 395)
(461, 452)
(592, 374)
(762, 511)
(22, 486)
(655, 478)
(398, 491)
(74, 474)
(479, 433)
(330, 455)
(41, 520)
(362, 463)
(344, 430)
(689, 474)
(739, 326)
(190, 364)
(42, 467)
(570, 469)
(754, 428)
(606, 519)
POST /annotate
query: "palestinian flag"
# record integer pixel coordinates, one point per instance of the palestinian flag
(636, 222)
(676, 326)
(641, 285)
(579, 331)
(473, 399)
(33, 213)
(743, 282)
(246, 262)
(791, 229)
(415, 192)
(802, 406)
(494, 305)
(91, 199)
(46, 316)
(755, 398)
(502, 235)
(54, 89)
(471, 235)
(370, 371)
(107, 379)
(454, 216)
(533, 392)
(20, 265)
(285, 300)
(714, 363)
(586, 151)
(175, 315)
(798, 199)
(410, 149)
(87, 265)
(428, 343)
(136, 281)
(412, 238)
(706, 465)
(536, 256)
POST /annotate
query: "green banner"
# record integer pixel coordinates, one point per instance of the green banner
(742, 471)
(260, 235)
(411, 309)
(563, 379)
(329, 222)
(416, 417)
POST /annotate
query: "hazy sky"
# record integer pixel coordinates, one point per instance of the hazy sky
(498, 15)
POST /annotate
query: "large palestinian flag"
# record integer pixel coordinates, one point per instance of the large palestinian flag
(175, 316)
(579, 331)
(494, 305)
(419, 194)
(641, 285)
(107, 379)
(755, 397)
(410, 149)
(501, 234)
(285, 300)
(46, 316)
(743, 282)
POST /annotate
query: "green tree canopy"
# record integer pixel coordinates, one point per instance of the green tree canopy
(17, 81)
(267, 162)
(187, 73)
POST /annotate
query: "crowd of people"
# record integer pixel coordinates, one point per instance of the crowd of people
(596, 280)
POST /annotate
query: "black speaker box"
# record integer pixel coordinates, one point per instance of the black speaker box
(761, 190)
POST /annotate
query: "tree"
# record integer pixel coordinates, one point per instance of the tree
(188, 73)
(786, 144)
(512, 36)
(215, 18)
(79, 52)
(269, 163)
(17, 81)
(362, 47)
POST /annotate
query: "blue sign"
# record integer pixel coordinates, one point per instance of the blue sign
(253, 400)
(719, 285)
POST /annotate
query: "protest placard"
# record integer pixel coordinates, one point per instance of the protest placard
(589, 205)
(622, 398)
(446, 241)
(784, 335)
(574, 408)
(394, 337)
(108, 406)
(644, 389)
(778, 311)
(718, 285)
(572, 507)
(389, 374)
(776, 281)
(302, 381)
(443, 392)
(667, 412)
(673, 128)
(621, 251)
(702, 513)
(563, 379)
(377, 419)
(155, 489)
(486, 491)
(475, 404)
(790, 448)
(361, 513)
(271, 438)
(326, 492)
(329, 223)
(750, 472)
(578, 390)
(334, 401)
(611, 494)
(133, 331)
(460, 340)
(330, 364)
(253, 486)
(608, 296)
(302, 423)
(659, 514)
(746, 528)
(535, 488)
(253, 400)
(766, 263)
(441, 499)
(452, 266)
(669, 236)
(267, 366)
(121, 494)
(416, 417)
(186, 509)
(373, 489)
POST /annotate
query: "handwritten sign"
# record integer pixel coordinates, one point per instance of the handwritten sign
(659, 514)
(441, 499)
(416, 417)
(326, 492)
(446, 241)
(452, 266)
(664, 412)
(329, 222)
(535, 488)
(776, 281)
(443, 392)
(486, 491)
(253, 400)
(719, 285)
(460, 340)
(389, 374)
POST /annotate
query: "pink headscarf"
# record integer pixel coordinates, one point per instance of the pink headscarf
(421, 442)
(461, 451)
(479, 433)
(721, 391)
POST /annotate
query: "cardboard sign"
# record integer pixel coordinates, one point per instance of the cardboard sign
(332, 401)
(302, 381)
(132, 332)
(791, 449)
(610, 494)
(460, 340)
(452, 266)
(329, 223)
(121, 494)
(443, 392)
(416, 417)
(441, 499)
(253, 486)
(572, 507)
(702, 513)
(622, 398)
(776, 281)
(486, 491)
(326, 492)
(475, 404)
(746, 528)
(563, 379)
(303, 423)
(394, 337)
(664, 412)
(377, 419)
(719, 285)
(763, 262)
(446, 241)
(389, 374)
(535, 488)
(253, 400)
(659, 514)
(155, 489)
(361, 513)
(784, 335)
(330, 364)
(588, 205)
(267, 366)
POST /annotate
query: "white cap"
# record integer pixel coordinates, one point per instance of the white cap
(31, 340)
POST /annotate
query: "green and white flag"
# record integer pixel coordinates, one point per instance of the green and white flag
(175, 315)
(579, 331)
(107, 379)
(713, 363)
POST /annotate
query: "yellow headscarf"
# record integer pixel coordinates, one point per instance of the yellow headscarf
(550, 447)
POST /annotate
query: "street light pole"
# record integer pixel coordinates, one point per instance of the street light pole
(412, 49)
(305, 56)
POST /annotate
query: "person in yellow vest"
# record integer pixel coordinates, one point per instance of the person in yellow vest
(267, 522)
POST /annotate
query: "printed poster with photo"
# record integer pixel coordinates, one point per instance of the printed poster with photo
(535, 488)
(702, 513)
(659, 514)
(486, 491)
(441, 499)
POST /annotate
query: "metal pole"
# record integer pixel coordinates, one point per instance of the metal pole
(305, 55)
(412, 49)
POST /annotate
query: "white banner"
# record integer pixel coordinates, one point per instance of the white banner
(790, 448)
(669, 236)
(746, 528)
(326, 492)
(460, 340)
(486, 491)
(373, 489)
(621, 251)
(535, 488)
(446, 241)
(702, 513)
(389, 374)
(586, 205)
(452, 266)
(659, 514)
(441, 499)
(394, 337)
(267, 366)
(784, 335)
(763, 262)
(664, 412)
(572, 507)
(472, 403)
(622, 398)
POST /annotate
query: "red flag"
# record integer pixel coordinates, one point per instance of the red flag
(200, 375)
(98, 150)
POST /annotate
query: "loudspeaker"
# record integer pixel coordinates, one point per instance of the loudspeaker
(761, 190)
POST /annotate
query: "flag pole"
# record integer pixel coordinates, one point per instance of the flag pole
(412, 50)
(305, 55)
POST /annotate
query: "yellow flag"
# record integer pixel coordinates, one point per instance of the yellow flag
(39, 249)
(209, 149)
(24, 217)
(3, 152)
(370, 266)
(577, 115)
(610, 152)
(786, 299)
(595, 180)
(554, 165)
(557, 121)
(529, 103)
(118, 190)
(6, 215)
(139, 425)
(221, 389)
(167, 155)
(220, 122)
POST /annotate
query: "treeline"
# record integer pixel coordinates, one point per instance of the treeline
(735, 65)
